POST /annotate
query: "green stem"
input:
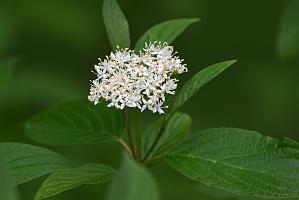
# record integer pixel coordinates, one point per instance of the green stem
(125, 146)
(130, 140)
(138, 135)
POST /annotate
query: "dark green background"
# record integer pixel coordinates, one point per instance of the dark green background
(56, 44)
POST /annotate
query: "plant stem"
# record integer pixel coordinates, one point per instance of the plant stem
(130, 140)
(158, 137)
(125, 146)
(138, 135)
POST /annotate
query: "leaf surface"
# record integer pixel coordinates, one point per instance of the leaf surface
(240, 161)
(177, 129)
(116, 25)
(76, 123)
(26, 162)
(133, 183)
(196, 82)
(70, 178)
(166, 31)
(6, 190)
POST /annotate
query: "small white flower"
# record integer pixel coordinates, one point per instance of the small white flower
(126, 79)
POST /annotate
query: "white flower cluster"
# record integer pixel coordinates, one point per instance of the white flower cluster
(127, 79)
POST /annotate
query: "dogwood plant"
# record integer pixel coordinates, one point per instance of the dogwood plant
(127, 82)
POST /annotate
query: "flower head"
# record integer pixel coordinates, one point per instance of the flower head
(142, 81)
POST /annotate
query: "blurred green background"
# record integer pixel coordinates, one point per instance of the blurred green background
(48, 49)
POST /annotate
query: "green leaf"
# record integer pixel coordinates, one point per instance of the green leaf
(70, 178)
(196, 82)
(76, 123)
(26, 162)
(150, 133)
(116, 25)
(240, 161)
(288, 36)
(133, 183)
(177, 129)
(6, 190)
(167, 31)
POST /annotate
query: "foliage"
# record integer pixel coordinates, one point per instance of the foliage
(133, 183)
(242, 162)
(70, 178)
(6, 190)
(75, 123)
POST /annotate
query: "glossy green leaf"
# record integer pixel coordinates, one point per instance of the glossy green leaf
(196, 82)
(76, 123)
(133, 183)
(70, 178)
(240, 161)
(26, 162)
(177, 129)
(167, 31)
(288, 36)
(116, 24)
